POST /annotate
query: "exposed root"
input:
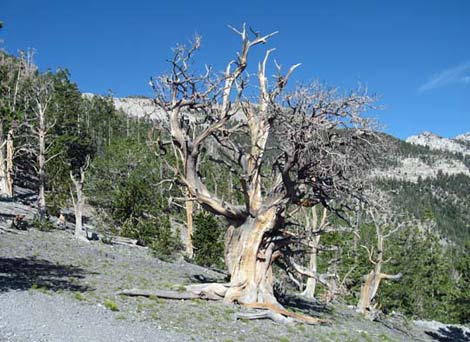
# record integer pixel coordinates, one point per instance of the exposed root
(295, 316)
(216, 291)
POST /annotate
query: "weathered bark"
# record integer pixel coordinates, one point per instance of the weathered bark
(160, 294)
(200, 108)
(9, 163)
(201, 291)
(42, 161)
(79, 202)
(80, 232)
(369, 290)
(3, 171)
(3, 164)
(41, 96)
(189, 229)
(315, 228)
(372, 281)
(6, 164)
(249, 259)
(311, 284)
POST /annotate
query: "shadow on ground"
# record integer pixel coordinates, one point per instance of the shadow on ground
(449, 334)
(27, 273)
(307, 306)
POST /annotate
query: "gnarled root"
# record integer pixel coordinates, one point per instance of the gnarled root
(216, 291)
(275, 311)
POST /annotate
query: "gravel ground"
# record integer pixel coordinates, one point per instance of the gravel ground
(56, 288)
(32, 316)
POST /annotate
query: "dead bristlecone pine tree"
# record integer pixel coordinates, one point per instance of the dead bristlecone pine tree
(385, 224)
(78, 199)
(285, 148)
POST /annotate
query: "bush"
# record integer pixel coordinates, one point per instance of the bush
(42, 224)
(208, 239)
(155, 233)
(165, 242)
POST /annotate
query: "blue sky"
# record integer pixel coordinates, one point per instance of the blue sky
(414, 54)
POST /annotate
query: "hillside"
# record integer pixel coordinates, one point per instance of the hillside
(430, 178)
(429, 175)
(105, 169)
(53, 288)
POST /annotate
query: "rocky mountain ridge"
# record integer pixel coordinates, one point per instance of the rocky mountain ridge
(409, 168)
(436, 142)
(138, 107)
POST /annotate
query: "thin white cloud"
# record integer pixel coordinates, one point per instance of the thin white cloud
(459, 74)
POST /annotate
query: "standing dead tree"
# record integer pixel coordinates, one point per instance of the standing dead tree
(189, 207)
(6, 163)
(302, 147)
(14, 73)
(384, 226)
(41, 97)
(78, 200)
(312, 224)
(315, 227)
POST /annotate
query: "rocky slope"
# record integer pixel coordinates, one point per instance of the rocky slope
(426, 156)
(137, 107)
(56, 288)
(411, 168)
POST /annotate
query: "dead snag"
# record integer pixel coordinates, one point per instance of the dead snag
(385, 224)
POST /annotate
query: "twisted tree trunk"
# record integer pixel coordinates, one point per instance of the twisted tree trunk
(372, 281)
(249, 257)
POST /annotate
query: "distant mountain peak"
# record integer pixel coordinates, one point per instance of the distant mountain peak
(463, 137)
(436, 142)
(429, 134)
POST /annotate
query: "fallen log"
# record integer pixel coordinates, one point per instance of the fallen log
(266, 314)
(213, 291)
(159, 293)
(124, 241)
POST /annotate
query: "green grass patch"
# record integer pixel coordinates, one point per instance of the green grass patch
(79, 296)
(109, 304)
